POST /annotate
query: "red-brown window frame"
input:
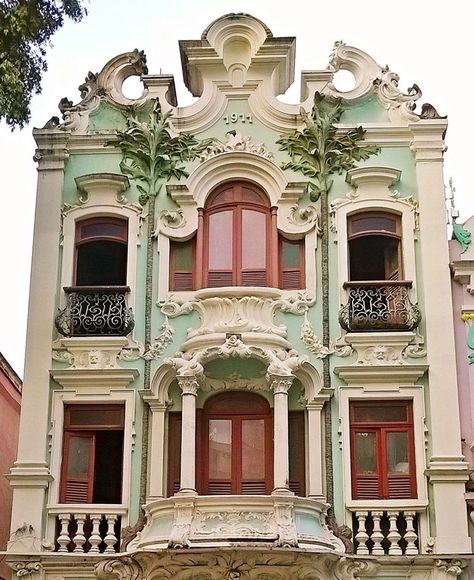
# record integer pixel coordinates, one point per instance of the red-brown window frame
(80, 240)
(381, 429)
(209, 414)
(79, 430)
(397, 235)
(236, 206)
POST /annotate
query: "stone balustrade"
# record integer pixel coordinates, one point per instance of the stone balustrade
(85, 532)
(390, 532)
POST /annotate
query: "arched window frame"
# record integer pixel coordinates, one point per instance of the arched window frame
(86, 212)
(379, 232)
(236, 208)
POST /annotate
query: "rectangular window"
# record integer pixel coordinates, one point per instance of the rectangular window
(92, 454)
(382, 450)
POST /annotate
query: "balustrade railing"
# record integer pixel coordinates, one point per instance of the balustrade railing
(95, 311)
(88, 533)
(391, 532)
(379, 305)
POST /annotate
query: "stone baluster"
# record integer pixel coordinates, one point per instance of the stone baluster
(393, 535)
(63, 538)
(95, 539)
(189, 386)
(410, 535)
(79, 537)
(362, 536)
(110, 538)
(377, 536)
(281, 463)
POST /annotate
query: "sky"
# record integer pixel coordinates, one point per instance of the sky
(423, 43)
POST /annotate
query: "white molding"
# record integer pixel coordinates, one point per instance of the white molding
(62, 398)
(413, 393)
(371, 193)
(99, 380)
(101, 194)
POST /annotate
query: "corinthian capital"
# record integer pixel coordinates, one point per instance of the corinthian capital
(280, 385)
(189, 385)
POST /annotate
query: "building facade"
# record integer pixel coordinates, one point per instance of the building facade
(240, 359)
(10, 404)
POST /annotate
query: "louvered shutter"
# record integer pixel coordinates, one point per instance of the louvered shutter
(297, 452)
(174, 453)
(78, 467)
(291, 261)
(182, 265)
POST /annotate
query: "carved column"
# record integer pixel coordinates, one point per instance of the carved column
(189, 386)
(281, 463)
(315, 455)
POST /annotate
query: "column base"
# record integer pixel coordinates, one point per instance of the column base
(186, 492)
(282, 491)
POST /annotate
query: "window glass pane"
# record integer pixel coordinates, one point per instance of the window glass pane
(373, 223)
(252, 196)
(101, 263)
(100, 229)
(365, 453)
(223, 197)
(96, 417)
(397, 452)
(220, 241)
(385, 413)
(79, 457)
(183, 256)
(254, 247)
(253, 449)
(220, 448)
(290, 254)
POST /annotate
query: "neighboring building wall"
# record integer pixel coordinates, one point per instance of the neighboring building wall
(462, 267)
(10, 402)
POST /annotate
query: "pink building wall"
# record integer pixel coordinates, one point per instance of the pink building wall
(462, 266)
(10, 401)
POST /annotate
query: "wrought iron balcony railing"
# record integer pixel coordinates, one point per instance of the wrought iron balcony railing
(95, 311)
(379, 305)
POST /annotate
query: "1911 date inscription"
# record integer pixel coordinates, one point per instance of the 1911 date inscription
(238, 118)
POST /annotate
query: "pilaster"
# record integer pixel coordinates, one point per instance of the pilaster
(30, 474)
(447, 470)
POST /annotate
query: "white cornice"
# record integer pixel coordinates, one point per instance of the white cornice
(381, 374)
(100, 378)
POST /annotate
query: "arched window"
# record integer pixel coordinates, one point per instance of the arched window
(237, 247)
(236, 445)
(101, 252)
(374, 246)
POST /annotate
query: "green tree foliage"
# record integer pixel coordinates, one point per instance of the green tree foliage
(319, 150)
(26, 27)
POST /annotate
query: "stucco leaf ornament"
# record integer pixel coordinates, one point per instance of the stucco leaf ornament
(463, 236)
(151, 153)
(318, 150)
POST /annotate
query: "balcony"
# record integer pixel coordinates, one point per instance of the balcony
(390, 533)
(95, 311)
(379, 305)
(220, 521)
(87, 531)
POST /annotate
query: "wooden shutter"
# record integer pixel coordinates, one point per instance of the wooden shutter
(291, 263)
(78, 467)
(182, 258)
(174, 453)
(297, 452)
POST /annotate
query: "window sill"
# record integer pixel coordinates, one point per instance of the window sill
(384, 504)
